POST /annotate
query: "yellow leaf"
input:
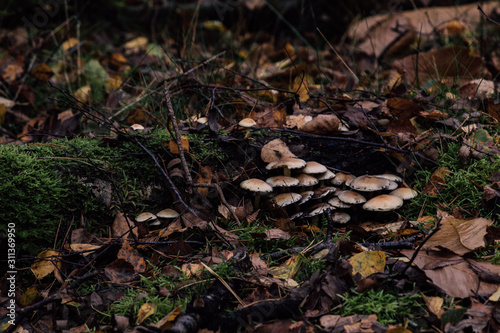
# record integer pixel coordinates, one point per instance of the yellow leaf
(82, 94)
(135, 45)
(85, 248)
(192, 269)
(28, 297)
(301, 86)
(173, 145)
(69, 44)
(368, 262)
(435, 305)
(42, 268)
(166, 322)
(288, 269)
(495, 296)
(146, 310)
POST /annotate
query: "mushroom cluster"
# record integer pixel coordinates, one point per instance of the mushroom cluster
(312, 189)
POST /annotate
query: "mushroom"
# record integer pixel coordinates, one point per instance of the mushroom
(247, 123)
(324, 176)
(285, 199)
(383, 203)
(167, 213)
(287, 163)
(390, 176)
(306, 180)
(306, 196)
(351, 197)
(258, 186)
(342, 178)
(337, 203)
(404, 193)
(372, 183)
(282, 181)
(317, 210)
(341, 217)
(137, 128)
(323, 192)
(314, 167)
(141, 219)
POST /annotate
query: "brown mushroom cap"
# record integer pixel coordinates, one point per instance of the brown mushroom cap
(372, 183)
(167, 213)
(307, 180)
(318, 209)
(314, 167)
(287, 162)
(342, 178)
(142, 217)
(256, 185)
(383, 203)
(285, 199)
(404, 193)
(247, 123)
(325, 175)
(337, 203)
(282, 181)
(351, 197)
(306, 196)
(341, 217)
(323, 192)
(390, 176)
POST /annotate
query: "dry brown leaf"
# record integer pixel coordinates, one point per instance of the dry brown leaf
(460, 236)
(437, 183)
(434, 304)
(146, 310)
(456, 278)
(258, 264)
(204, 177)
(174, 149)
(276, 234)
(323, 124)
(297, 121)
(271, 117)
(119, 271)
(132, 256)
(121, 228)
(51, 261)
(192, 269)
(275, 150)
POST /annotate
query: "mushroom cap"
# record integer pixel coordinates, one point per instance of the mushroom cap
(282, 181)
(383, 203)
(342, 178)
(306, 196)
(337, 203)
(351, 197)
(307, 180)
(143, 217)
(325, 175)
(372, 183)
(137, 127)
(390, 176)
(296, 216)
(314, 167)
(318, 209)
(323, 192)
(202, 120)
(341, 217)
(167, 213)
(256, 185)
(247, 122)
(404, 193)
(285, 199)
(287, 162)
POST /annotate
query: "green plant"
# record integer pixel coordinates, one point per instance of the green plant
(389, 307)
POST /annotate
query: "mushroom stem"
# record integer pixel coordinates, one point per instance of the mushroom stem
(287, 172)
(257, 200)
(247, 134)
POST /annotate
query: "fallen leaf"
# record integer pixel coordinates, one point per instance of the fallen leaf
(42, 268)
(174, 149)
(323, 124)
(146, 310)
(275, 150)
(367, 263)
(437, 182)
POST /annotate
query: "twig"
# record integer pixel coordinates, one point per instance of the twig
(486, 16)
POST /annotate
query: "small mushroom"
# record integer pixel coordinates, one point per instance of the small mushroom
(337, 203)
(404, 193)
(285, 199)
(324, 176)
(258, 186)
(342, 178)
(316, 210)
(372, 183)
(167, 214)
(287, 163)
(383, 203)
(282, 181)
(306, 196)
(351, 197)
(341, 217)
(247, 123)
(142, 226)
(391, 177)
(313, 167)
(306, 180)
